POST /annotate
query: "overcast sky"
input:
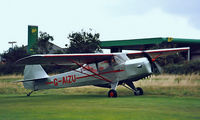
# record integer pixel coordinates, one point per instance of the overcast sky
(113, 19)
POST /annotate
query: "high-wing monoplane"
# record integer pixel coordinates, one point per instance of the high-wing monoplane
(98, 69)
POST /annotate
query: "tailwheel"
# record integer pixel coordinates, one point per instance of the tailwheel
(138, 91)
(29, 93)
(112, 93)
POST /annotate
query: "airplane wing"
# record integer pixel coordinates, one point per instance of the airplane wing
(159, 52)
(64, 59)
(68, 59)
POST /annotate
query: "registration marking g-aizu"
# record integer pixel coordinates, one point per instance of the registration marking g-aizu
(65, 80)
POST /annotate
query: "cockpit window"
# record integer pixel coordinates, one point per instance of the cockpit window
(86, 67)
(121, 58)
(103, 65)
(91, 67)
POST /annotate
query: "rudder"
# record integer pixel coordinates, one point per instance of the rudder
(33, 72)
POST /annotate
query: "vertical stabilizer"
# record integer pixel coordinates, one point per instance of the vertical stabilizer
(33, 72)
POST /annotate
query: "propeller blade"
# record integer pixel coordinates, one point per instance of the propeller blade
(160, 70)
(155, 67)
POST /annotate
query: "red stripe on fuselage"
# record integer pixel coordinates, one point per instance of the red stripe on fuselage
(115, 71)
(47, 83)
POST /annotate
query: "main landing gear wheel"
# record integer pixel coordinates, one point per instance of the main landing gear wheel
(138, 91)
(112, 93)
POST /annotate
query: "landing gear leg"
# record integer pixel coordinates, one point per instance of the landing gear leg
(113, 92)
(30, 93)
(137, 91)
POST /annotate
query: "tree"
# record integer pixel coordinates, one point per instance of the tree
(83, 42)
(12, 55)
(43, 43)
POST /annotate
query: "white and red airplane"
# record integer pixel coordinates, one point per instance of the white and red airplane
(98, 69)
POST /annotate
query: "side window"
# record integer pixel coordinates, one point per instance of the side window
(103, 65)
(92, 67)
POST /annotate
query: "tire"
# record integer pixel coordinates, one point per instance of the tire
(139, 91)
(112, 93)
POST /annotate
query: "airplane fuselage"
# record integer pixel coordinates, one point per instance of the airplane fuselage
(131, 70)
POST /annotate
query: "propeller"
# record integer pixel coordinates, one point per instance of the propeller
(160, 70)
(155, 67)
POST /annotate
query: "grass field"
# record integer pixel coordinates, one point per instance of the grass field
(97, 107)
(167, 97)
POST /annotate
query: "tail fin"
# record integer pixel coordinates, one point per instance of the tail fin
(33, 72)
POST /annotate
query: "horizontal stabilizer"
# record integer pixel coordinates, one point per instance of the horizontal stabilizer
(30, 80)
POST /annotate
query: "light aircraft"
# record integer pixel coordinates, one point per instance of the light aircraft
(98, 69)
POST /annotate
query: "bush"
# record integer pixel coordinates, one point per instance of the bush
(186, 68)
(7, 69)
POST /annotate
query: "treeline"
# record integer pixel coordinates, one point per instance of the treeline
(80, 42)
(191, 67)
(8, 69)
(88, 42)
(9, 58)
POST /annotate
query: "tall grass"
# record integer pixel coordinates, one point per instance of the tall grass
(171, 85)
(8, 86)
(171, 80)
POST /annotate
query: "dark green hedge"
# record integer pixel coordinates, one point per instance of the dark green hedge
(7, 69)
(186, 68)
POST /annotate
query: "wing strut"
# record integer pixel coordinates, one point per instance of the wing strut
(100, 77)
(154, 59)
(88, 74)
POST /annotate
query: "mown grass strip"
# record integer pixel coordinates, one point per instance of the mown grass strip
(97, 107)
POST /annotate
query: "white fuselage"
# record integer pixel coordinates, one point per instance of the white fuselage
(133, 70)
